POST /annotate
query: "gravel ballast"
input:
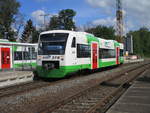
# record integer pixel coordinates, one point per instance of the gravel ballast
(42, 98)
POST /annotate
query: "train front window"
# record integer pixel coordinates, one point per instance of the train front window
(53, 44)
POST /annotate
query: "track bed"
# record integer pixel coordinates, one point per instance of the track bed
(49, 95)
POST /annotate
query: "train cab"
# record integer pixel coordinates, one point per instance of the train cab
(61, 52)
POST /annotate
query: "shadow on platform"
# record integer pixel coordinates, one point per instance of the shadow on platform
(144, 79)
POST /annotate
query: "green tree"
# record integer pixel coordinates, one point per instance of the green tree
(35, 35)
(64, 20)
(141, 41)
(28, 31)
(102, 32)
(54, 23)
(8, 8)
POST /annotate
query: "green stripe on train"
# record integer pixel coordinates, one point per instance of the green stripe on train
(106, 64)
(19, 65)
(64, 70)
(61, 72)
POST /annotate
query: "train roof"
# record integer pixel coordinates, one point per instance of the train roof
(65, 31)
(111, 42)
(56, 31)
(6, 42)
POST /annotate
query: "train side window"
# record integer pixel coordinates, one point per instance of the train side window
(34, 56)
(121, 52)
(106, 53)
(73, 45)
(83, 51)
(100, 53)
(18, 55)
(26, 55)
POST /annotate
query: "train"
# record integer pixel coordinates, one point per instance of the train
(62, 52)
(15, 55)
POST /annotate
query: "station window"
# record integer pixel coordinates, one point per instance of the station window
(83, 51)
(73, 45)
(106, 53)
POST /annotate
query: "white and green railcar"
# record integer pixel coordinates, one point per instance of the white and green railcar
(62, 52)
(15, 55)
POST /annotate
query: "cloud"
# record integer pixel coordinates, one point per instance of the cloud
(37, 16)
(112, 22)
(101, 3)
(108, 5)
(40, 20)
(107, 22)
(136, 11)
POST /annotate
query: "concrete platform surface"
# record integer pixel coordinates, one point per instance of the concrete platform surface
(8, 78)
(131, 61)
(136, 99)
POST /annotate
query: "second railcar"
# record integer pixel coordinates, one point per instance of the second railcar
(15, 55)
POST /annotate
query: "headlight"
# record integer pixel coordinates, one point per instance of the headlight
(40, 57)
(61, 57)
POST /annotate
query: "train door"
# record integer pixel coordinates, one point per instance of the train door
(117, 55)
(5, 58)
(73, 52)
(94, 55)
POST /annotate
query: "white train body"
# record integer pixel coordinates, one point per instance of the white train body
(61, 52)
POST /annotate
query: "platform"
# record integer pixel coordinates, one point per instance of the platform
(132, 61)
(136, 99)
(8, 78)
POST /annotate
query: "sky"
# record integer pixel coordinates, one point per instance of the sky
(90, 12)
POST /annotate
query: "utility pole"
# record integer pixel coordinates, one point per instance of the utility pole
(119, 18)
(44, 16)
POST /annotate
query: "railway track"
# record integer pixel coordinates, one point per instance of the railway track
(36, 99)
(26, 87)
(22, 88)
(99, 97)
